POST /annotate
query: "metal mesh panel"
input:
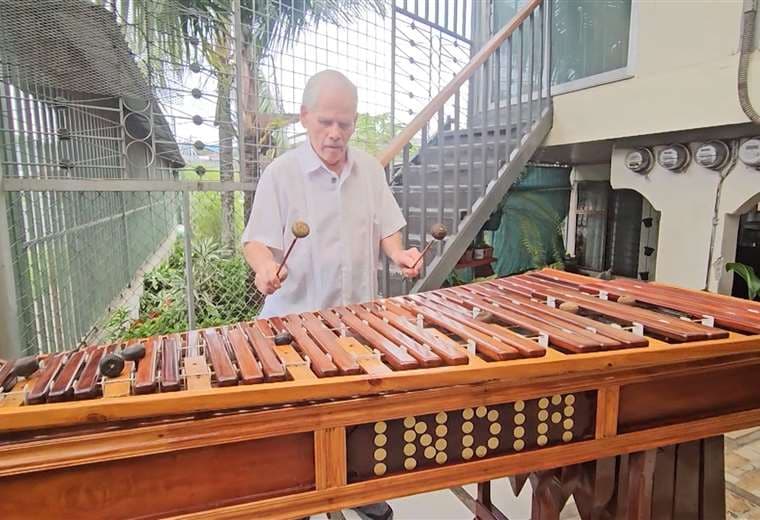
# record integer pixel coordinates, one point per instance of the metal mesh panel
(78, 254)
(160, 92)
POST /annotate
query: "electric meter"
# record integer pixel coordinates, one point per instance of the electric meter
(674, 157)
(749, 152)
(713, 155)
(639, 160)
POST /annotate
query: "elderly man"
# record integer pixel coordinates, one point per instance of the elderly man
(341, 193)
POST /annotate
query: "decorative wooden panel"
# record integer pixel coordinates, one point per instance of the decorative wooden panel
(451, 436)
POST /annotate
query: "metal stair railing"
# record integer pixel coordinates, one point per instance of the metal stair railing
(488, 121)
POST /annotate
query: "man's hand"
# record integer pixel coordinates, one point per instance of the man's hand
(406, 258)
(267, 281)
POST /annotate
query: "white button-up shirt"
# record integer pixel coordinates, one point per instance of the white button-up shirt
(348, 216)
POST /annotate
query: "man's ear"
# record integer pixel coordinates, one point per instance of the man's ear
(303, 114)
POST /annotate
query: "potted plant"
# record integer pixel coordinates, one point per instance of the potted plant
(748, 275)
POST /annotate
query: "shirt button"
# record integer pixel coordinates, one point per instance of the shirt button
(334, 180)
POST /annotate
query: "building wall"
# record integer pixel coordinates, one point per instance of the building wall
(687, 204)
(684, 76)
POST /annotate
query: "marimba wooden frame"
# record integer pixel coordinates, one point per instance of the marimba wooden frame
(323, 424)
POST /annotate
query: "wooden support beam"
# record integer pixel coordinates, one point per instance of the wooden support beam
(330, 457)
(607, 406)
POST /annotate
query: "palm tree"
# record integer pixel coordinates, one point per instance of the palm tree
(172, 31)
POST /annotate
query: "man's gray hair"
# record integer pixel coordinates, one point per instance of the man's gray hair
(329, 77)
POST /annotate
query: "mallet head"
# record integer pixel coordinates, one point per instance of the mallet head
(300, 229)
(439, 231)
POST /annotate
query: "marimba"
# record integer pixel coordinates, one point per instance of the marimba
(582, 385)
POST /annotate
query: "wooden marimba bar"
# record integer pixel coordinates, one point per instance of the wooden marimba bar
(547, 376)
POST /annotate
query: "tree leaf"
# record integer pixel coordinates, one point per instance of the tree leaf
(748, 275)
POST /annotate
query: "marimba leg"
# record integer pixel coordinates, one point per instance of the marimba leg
(485, 510)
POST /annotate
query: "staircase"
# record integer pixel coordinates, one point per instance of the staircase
(454, 163)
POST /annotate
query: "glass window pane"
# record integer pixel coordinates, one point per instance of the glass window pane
(589, 37)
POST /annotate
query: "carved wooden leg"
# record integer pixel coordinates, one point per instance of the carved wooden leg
(664, 481)
(686, 496)
(548, 496)
(517, 482)
(713, 480)
(485, 510)
(596, 489)
(640, 484)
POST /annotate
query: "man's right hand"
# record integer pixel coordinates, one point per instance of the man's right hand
(267, 281)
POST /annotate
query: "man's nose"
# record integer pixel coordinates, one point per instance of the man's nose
(334, 133)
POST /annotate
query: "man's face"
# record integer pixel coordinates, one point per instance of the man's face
(330, 124)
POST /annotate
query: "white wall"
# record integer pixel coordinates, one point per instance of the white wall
(686, 202)
(685, 68)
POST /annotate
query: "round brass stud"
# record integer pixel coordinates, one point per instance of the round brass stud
(429, 452)
(468, 441)
(426, 440)
(493, 415)
(467, 427)
(568, 424)
(410, 463)
(518, 432)
(380, 469)
(410, 449)
(380, 440)
(380, 454)
(569, 399)
(567, 436)
(380, 427)
(519, 406)
(556, 399)
(518, 444)
(409, 422)
(542, 428)
(441, 417)
(556, 417)
(481, 451)
(569, 411)
(481, 411)
(495, 429)
(468, 413)
(519, 418)
(410, 435)
(441, 457)
(542, 440)
(420, 427)
(493, 443)
(543, 415)
(440, 444)
(441, 430)
(543, 403)
(467, 453)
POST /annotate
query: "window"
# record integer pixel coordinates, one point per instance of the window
(590, 38)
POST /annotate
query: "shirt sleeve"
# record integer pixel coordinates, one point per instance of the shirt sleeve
(390, 217)
(265, 223)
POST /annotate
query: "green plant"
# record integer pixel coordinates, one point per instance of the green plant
(222, 294)
(747, 273)
(544, 251)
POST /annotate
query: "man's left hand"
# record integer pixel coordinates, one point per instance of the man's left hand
(406, 258)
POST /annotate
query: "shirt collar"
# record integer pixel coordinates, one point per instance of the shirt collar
(310, 161)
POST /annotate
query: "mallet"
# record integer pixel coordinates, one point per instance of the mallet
(300, 229)
(112, 363)
(439, 232)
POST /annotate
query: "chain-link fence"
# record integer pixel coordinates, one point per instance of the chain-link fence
(132, 134)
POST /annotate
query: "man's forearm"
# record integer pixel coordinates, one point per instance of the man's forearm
(392, 245)
(257, 255)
